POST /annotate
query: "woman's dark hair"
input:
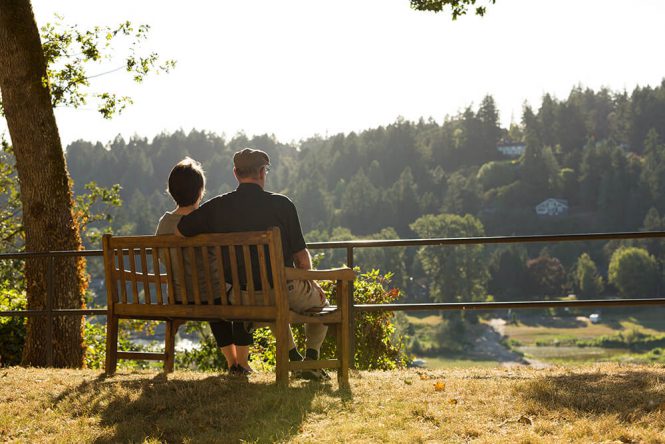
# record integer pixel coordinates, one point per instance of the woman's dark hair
(187, 182)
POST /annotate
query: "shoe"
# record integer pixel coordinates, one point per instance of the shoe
(239, 370)
(316, 374)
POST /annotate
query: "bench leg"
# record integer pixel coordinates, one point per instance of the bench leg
(344, 337)
(111, 344)
(343, 355)
(282, 353)
(169, 345)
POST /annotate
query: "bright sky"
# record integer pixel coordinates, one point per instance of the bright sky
(296, 68)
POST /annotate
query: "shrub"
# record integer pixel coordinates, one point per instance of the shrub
(12, 329)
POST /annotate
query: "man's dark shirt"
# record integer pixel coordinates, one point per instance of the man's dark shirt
(248, 208)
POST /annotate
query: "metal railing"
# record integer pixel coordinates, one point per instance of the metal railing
(350, 246)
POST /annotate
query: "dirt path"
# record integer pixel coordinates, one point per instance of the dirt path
(488, 346)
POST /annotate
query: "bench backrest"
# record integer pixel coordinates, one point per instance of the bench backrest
(171, 270)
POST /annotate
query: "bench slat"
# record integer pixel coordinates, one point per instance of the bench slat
(241, 238)
(169, 273)
(144, 272)
(263, 270)
(180, 270)
(222, 277)
(194, 270)
(206, 268)
(196, 312)
(248, 275)
(132, 276)
(156, 271)
(237, 299)
(121, 271)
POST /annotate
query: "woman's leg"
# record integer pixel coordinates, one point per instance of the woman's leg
(242, 339)
(223, 333)
(231, 355)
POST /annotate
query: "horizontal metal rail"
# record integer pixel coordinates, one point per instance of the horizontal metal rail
(56, 312)
(506, 305)
(487, 240)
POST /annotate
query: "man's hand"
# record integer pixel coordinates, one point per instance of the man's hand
(322, 294)
(303, 260)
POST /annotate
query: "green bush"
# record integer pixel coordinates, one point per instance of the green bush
(12, 329)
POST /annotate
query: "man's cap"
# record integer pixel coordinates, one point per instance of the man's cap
(249, 159)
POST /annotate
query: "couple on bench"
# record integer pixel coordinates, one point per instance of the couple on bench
(248, 208)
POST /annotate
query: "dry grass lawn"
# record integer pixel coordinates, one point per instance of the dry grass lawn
(595, 403)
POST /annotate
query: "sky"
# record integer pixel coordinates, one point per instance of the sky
(298, 68)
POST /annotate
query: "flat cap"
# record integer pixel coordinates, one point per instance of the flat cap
(249, 159)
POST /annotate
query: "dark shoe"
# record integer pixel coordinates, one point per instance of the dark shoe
(316, 374)
(239, 370)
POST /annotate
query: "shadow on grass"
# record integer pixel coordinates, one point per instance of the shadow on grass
(214, 409)
(627, 394)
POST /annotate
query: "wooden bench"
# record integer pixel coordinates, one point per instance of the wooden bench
(143, 272)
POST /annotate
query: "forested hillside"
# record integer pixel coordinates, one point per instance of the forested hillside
(599, 152)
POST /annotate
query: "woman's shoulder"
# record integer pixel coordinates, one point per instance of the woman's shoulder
(168, 223)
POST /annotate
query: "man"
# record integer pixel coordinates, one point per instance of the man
(251, 208)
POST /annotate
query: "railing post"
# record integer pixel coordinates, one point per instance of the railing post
(352, 312)
(49, 311)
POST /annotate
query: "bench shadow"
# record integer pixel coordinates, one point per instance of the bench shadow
(628, 394)
(140, 408)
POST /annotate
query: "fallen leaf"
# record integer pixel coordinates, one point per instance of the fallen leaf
(439, 386)
(424, 377)
(452, 401)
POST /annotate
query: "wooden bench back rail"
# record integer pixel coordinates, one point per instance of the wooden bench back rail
(176, 279)
(169, 269)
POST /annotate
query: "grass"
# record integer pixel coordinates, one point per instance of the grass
(596, 403)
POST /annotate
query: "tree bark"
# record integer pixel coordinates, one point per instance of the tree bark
(45, 189)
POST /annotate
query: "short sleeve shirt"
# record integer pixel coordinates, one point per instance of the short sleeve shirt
(248, 208)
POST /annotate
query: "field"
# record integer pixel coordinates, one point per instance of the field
(544, 339)
(596, 403)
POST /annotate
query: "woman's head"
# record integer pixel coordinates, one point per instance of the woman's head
(187, 182)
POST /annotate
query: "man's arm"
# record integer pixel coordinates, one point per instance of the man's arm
(196, 222)
(302, 259)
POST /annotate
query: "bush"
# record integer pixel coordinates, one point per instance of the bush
(12, 329)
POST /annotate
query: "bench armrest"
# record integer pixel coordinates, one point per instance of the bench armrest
(333, 274)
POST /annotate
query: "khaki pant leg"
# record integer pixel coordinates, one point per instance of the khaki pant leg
(302, 296)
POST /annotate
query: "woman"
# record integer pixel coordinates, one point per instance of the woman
(187, 186)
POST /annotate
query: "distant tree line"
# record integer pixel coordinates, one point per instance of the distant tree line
(600, 151)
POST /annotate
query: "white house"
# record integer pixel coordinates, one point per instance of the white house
(552, 207)
(514, 149)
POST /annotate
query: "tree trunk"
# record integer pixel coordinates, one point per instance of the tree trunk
(45, 189)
